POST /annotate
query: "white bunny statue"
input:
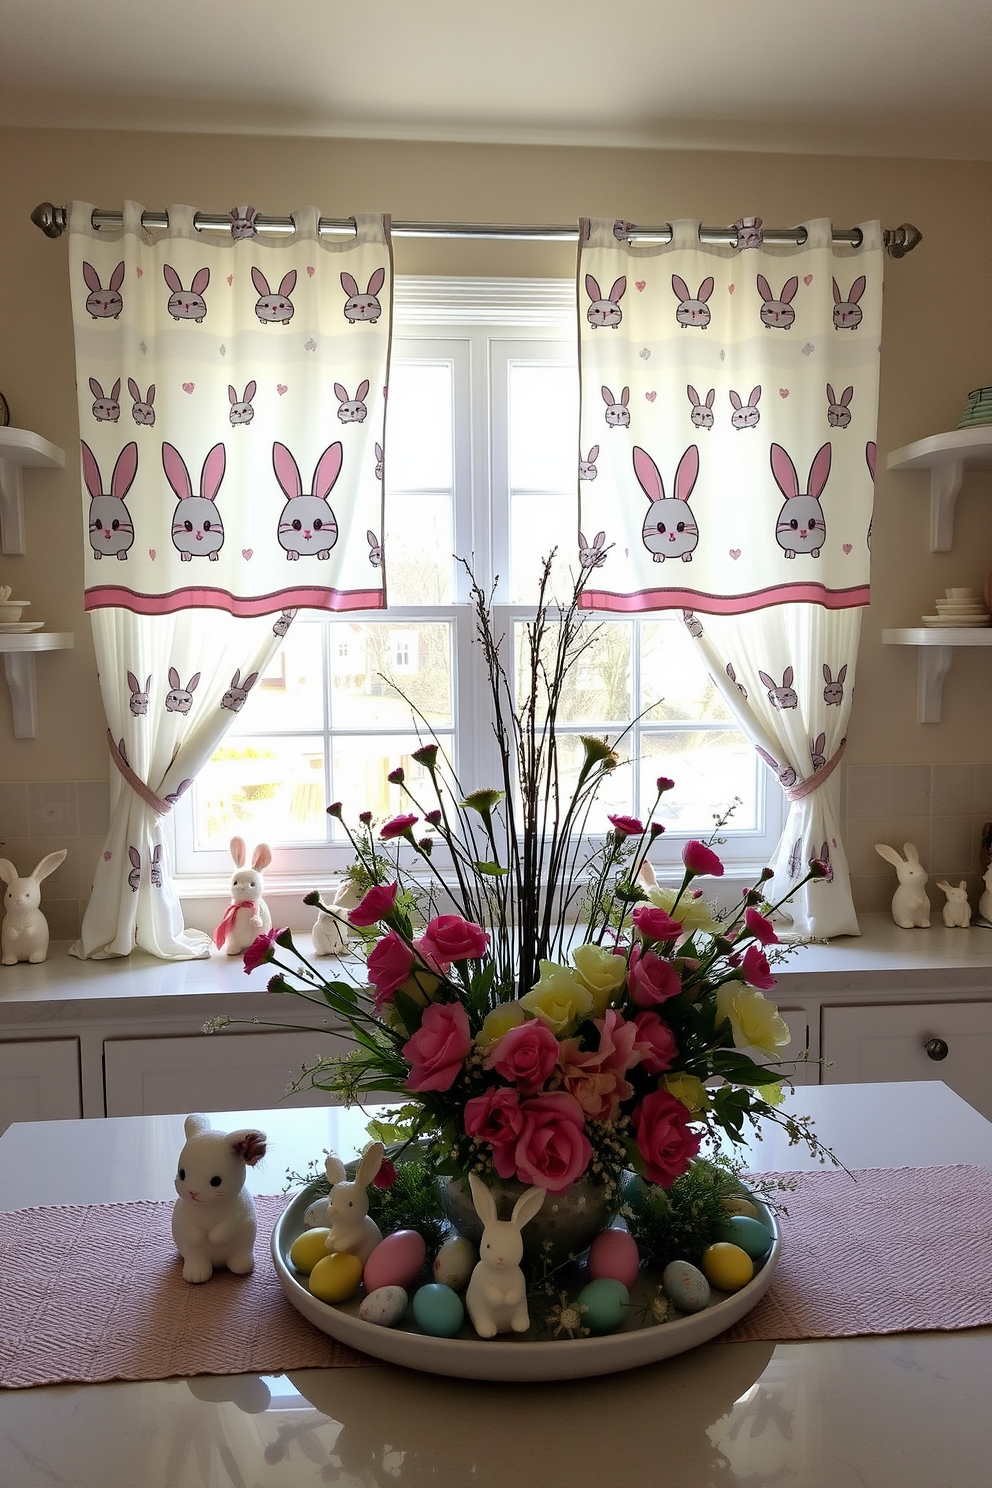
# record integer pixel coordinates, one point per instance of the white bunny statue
(330, 932)
(985, 902)
(247, 916)
(345, 1211)
(910, 904)
(213, 1220)
(957, 910)
(24, 936)
(497, 1292)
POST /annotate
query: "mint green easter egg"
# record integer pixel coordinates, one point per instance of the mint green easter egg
(605, 1302)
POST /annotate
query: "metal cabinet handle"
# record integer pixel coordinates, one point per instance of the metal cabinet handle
(936, 1048)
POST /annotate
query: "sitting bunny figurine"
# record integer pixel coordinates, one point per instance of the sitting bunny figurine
(957, 910)
(910, 904)
(247, 916)
(346, 1209)
(497, 1292)
(24, 936)
(213, 1221)
(330, 933)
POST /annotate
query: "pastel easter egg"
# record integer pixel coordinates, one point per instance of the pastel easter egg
(307, 1249)
(455, 1262)
(727, 1266)
(316, 1214)
(384, 1307)
(438, 1310)
(336, 1277)
(605, 1301)
(750, 1234)
(738, 1204)
(685, 1286)
(396, 1261)
(614, 1254)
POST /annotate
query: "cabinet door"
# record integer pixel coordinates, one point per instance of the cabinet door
(864, 1044)
(211, 1072)
(39, 1081)
(799, 1073)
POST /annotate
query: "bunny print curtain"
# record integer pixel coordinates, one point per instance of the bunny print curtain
(231, 398)
(728, 399)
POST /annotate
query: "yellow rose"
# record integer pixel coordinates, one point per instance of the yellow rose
(755, 1022)
(692, 914)
(601, 973)
(508, 1015)
(558, 997)
(689, 1090)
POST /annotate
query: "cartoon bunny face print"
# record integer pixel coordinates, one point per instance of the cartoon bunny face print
(702, 413)
(138, 701)
(801, 527)
(669, 529)
(241, 412)
(307, 524)
(745, 415)
(243, 221)
(278, 307)
(179, 699)
(106, 407)
(197, 527)
(142, 410)
(352, 410)
(187, 304)
(360, 307)
(847, 312)
(777, 314)
(838, 410)
(692, 308)
(111, 530)
(617, 412)
(605, 311)
(104, 304)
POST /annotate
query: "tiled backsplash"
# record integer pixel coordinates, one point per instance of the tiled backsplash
(941, 808)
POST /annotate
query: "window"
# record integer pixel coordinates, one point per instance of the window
(480, 463)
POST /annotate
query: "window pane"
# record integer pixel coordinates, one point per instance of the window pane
(289, 693)
(271, 789)
(361, 766)
(539, 523)
(544, 427)
(367, 660)
(597, 689)
(709, 770)
(419, 548)
(419, 426)
(615, 793)
(674, 681)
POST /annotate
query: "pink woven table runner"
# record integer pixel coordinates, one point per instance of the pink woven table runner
(95, 1292)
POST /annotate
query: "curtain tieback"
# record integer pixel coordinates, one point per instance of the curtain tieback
(819, 777)
(160, 807)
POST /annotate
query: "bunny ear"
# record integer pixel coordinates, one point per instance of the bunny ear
(173, 679)
(485, 1204)
(132, 682)
(334, 1168)
(685, 476)
(593, 454)
(151, 395)
(842, 673)
(115, 391)
(287, 471)
(328, 469)
(527, 1206)
(625, 396)
(599, 539)
(371, 538)
(371, 1159)
(693, 395)
(191, 685)
(261, 857)
(680, 287)
(349, 284)
(945, 886)
(91, 276)
(789, 288)
(709, 397)
(784, 472)
(7, 871)
(376, 282)
(846, 396)
(648, 475)
(618, 290)
(135, 856)
(124, 471)
(117, 277)
(819, 470)
(232, 394)
(341, 392)
(911, 851)
(735, 398)
(755, 397)
(171, 278)
(249, 1145)
(213, 472)
(889, 854)
(363, 388)
(592, 287)
(788, 676)
(200, 281)
(764, 288)
(870, 455)
(175, 471)
(826, 673)
(134, 389)
(831, 395)
(250, 391)
(705, 289)
(48, 864)
(378, 451)
(857, 289)
(259, 280)
(249, 681)
(608, 397)
(287, 283)
(238, 849)
(95, 388)
(838, 297)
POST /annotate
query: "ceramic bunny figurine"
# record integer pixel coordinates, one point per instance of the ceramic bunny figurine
(957, 910)
(24, 935)
(330, 933)
(345, 1211)
(247, 916)
(985, 902)
(910, 904)
(497, 1292)
(213, 1220)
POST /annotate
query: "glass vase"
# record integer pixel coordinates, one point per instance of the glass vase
(565, 1225)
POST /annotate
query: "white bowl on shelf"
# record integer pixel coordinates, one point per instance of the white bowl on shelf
(10, 609)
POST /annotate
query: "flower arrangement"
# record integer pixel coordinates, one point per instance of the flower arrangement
(540, 1007)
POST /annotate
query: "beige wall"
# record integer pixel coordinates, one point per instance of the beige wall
(937, 346)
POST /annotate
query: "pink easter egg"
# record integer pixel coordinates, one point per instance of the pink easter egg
(396, 1261)
(614, 1255)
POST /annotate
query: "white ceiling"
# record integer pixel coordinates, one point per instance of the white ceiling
(868, 77)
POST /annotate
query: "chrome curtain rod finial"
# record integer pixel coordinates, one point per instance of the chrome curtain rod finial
(901, 240)
(50, 219)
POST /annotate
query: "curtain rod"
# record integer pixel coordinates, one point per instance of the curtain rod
(898, 241)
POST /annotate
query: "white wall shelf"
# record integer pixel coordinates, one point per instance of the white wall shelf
(20, 449)
(935, 653)
(946, 456)
(19, 652)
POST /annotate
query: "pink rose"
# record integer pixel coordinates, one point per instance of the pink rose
(377, 903)
(656, 1041)
(398, 827)
(496, 1118)
(450, 938)
(626, 826)
(757, 972)
(665, 1140)
(650, 978)
(438, 1049)
(760, 927)
(698, 858)
(390, 963)
(260, 950)
(525, 1055)
(552, 1150)
(596, 1076)
(655, 924)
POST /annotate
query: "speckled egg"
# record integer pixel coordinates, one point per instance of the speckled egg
(309, 1248)
(455, 1262)
(438, 1310)
(727, 1266)
(749, 1234)
(738, 1204)
(685, 1286)
(384, 1307)
(614, 1255)
(316, 1213)
(336, 1277)
(396, 1261)
(605, 1301)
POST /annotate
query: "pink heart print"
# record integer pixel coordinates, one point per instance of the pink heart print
(140, 272)
(281, 388)
(311, 270)
(735, 553)
(230, 278)
(783, 392)
(188, 387)
(246, 553)
(807, 280)
(107, 857)
(640, 284)
(847, 547)
(151, 554)
(651, 396)
(731, 287)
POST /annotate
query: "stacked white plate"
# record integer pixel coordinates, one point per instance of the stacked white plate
(959, 609)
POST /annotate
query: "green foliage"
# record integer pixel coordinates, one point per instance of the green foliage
(677, 1224)
(411, 1203)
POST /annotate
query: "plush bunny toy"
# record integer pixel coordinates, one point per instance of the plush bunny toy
(24, 936)
(213, 1221)
(247, 916)
(497, 1292)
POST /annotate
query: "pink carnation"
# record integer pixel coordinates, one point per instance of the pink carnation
(655, 924)
(626, 826)
(398, 827)
(760, 927)
(552, 1150)
(656, 1043)
(699, 858)
(757, 972)
(596, 1076)
(439, 1048)
(260, 950)
(666, 1142)
(650, 978)
(389, 964)
(525, 1055)
(450, 938)
(377, 903)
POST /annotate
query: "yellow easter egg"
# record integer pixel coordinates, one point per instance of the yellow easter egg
(726, 1266)
(336, 1277)
(307, 1249)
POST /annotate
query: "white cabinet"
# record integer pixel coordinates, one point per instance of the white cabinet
(803, 1072)
(39, 1080)
(211, 1072)
(949, 1041)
